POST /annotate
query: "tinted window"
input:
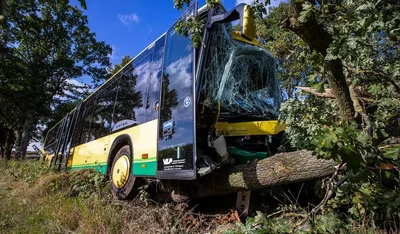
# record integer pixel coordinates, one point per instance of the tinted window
(175, 143)
(85, 136)
(50, 138)
(76, 138)
(104, 107)
(153, 95)
(131, 102)
(50, 143)
(142, 70)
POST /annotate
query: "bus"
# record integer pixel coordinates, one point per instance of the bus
(176, 112)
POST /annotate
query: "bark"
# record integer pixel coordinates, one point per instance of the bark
(319, 40)
(3, 136)
(10, 139)
(24, 137)
(327, 94)
(18, 138)
(283, 168)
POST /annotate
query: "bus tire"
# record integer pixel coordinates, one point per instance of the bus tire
(121, 178)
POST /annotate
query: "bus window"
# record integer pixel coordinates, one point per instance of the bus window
(176, 141)
(50, 139)
(104, 108)
(76, 138)
(129, 106)
(85, 136)
(153, 88)
(142, 69)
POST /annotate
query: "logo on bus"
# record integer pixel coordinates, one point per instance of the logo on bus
(167, 161)
(122, 124)
(186, 102)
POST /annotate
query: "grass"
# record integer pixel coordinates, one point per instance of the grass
(36, 200)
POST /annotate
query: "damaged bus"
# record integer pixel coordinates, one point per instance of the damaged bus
(175, 112)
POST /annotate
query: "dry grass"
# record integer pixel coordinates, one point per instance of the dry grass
(52, 203)
(36, 200)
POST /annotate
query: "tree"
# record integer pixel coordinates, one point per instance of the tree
(117, 67)
(45, 45)
(3, 7)
(352, 48)
(57, 114)
(294, 57)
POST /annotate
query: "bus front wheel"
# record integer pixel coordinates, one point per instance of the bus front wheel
(121, 178)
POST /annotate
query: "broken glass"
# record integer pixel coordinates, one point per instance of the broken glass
(241, 76)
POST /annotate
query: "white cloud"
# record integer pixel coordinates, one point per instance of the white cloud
(73, 84)
(113, 56)
(179, 72)
(273, 3)
(128, 19)
(149, 30)
(248, 2)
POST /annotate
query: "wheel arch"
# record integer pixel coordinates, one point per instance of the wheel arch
(118, 143)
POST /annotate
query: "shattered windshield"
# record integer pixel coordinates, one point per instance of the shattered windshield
(242, 77)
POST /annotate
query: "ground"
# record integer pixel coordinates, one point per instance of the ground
(35, 200)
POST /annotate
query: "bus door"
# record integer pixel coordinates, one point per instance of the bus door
(176, 157)
(64, 138)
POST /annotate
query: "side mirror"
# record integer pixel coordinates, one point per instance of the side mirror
(241, 12)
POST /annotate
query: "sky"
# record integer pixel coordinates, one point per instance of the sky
(129, 26)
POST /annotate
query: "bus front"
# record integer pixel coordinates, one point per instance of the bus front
(219, 102)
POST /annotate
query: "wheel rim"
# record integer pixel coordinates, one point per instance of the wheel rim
(120, 172)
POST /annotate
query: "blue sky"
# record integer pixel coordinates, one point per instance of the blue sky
(129, 26)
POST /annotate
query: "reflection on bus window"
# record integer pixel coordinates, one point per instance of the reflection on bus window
(175, 145)
(103, 111)
(153, 95)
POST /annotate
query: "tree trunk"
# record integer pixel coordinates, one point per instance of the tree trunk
(10, 139)
(18, 138)
(283, 168)
(25, 136)
(319, 40)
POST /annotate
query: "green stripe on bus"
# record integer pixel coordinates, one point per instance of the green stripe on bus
(147, 168)
(100, 167)
(143, 167)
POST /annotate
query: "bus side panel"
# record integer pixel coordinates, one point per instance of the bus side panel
(79, 161)
(144, 140)
(96, 154)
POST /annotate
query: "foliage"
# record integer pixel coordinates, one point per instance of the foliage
(295, 59)
(57, 115)
(262, 224)
(86, 184)
(327, 223)
(117, 67)
(191, 27)
(80, 202)
(28, 172)
(352, 46)
(44, 46)
(306, 119)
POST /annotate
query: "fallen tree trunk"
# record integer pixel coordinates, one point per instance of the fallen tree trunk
(283, 168)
